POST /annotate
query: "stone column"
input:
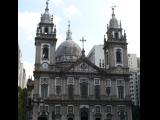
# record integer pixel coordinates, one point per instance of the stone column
(91, 112)
(50, 112)
(35, 112)
(76, 113)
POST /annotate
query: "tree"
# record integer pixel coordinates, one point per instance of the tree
(21, 103)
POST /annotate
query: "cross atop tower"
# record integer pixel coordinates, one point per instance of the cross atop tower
(69, 24)
(113, 10)
(47, 3)
(46, 10)
(83, 40)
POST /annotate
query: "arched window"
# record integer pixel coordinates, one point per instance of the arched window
(118, 56)
(107, 57)
(116, 35)
(46, 30)
(45, 52)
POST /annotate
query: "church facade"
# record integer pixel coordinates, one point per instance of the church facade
(68, 86)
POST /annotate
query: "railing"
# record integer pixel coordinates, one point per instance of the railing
(46, 35)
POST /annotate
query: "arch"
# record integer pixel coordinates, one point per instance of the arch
(42, 118)
(46, 30)
(70, 118)
(118, 56)
(116, 35)
(84, 113)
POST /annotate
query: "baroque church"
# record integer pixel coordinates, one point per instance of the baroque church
(68, 86)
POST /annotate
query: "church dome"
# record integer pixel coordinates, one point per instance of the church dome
(113, 23)
(68, 51)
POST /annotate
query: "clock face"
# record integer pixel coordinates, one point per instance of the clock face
(45, 65)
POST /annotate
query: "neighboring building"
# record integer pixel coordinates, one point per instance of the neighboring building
(138, 62)
(96, 55)
(134, 68)
(132, 61)
(135, 87)
(21, 70)
(68, 86)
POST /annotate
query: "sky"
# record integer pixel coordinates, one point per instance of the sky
(88, 19)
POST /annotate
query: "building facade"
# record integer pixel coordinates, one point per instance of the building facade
(68, 86)
(96, 55)
(134, 68)
(21, 70)
(132, 61)
(138, 62)
(135, 87)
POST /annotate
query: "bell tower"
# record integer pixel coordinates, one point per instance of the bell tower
(115, 48)
(45, 41)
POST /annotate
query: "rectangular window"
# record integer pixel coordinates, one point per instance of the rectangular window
(44, 108)
(121, 92)
(44, 90)
(84, 89)
(41, 108)
(96, 81)
(108, 83)
(44, 87)
(58, 81)
(70, 80)
(57, 109)
(108, 87)
(70, 109)
(97, 91)
(98, 109)
(120, 87)
(58, 84)
(109, 108)
(70, 91)
(120, 82)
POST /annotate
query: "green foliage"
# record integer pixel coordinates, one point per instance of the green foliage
(21, 103)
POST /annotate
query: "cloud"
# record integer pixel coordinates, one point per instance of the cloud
(57, 2)
(27, 24)
(57, 20)
(71, 11)
(28, 21)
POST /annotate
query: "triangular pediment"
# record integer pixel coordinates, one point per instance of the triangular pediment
(83, 64)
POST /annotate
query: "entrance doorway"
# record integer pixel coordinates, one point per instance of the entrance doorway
(84, 115)
(98, 118)
(42, 118)
(70, 118)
